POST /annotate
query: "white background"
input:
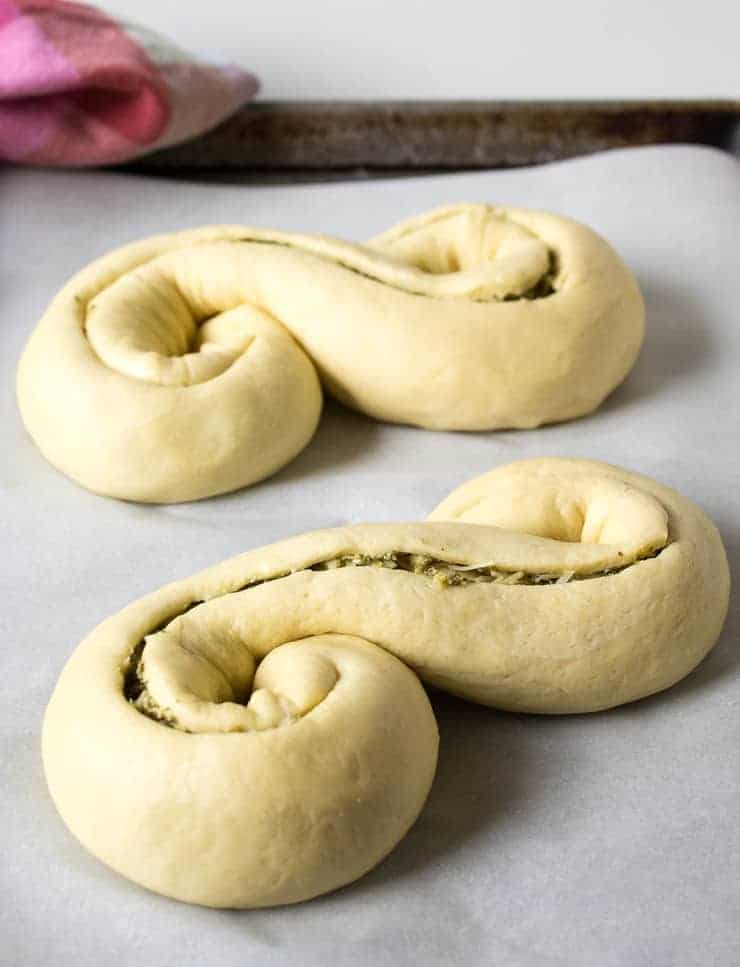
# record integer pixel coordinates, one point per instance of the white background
(463, 49)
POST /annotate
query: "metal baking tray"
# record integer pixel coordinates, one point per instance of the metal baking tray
(305, 140)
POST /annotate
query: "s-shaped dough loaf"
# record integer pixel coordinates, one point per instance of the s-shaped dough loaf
(545, 586)
(190, 364)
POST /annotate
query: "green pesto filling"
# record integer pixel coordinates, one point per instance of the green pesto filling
(543, 288)
(443, 573)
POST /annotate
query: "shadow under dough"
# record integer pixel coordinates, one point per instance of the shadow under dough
(481, 777)
(678, 343)
(342, 436)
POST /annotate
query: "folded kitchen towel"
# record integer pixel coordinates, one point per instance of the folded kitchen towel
(80, 88)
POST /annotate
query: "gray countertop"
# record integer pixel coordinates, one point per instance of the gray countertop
(608, 839)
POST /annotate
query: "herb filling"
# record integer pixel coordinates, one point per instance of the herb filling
(443, 573)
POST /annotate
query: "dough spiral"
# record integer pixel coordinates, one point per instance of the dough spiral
(190, 364)
(544, 586)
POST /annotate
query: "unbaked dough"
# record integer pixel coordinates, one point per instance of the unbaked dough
(190, 364)
(544, 586)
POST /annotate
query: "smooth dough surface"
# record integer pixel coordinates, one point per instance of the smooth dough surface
(548, 586)
(191, 364)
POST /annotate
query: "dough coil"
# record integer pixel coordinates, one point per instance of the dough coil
(257, 734)
(191, 364)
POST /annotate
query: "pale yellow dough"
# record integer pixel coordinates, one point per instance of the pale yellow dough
(190, 364)
(183, 773)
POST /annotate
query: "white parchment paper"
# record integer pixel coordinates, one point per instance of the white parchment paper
(610, 839)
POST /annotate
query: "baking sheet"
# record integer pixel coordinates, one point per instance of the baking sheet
(608, 839)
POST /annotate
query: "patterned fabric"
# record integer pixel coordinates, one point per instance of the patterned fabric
(79, 88)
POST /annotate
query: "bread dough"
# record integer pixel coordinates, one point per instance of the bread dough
(333, 761)
(190, 364)
(545, 586)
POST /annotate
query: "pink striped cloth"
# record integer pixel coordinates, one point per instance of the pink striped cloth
(79, 88)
